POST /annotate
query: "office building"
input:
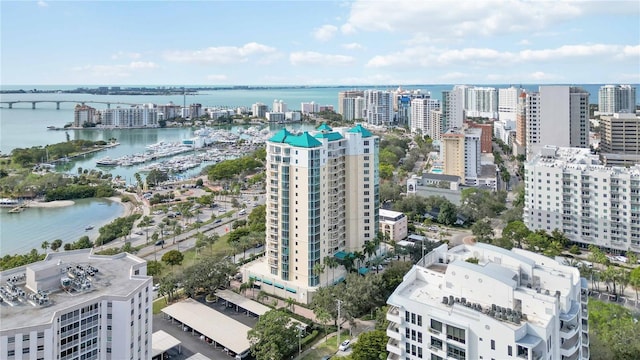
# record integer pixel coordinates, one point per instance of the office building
(393, 225)
(620, 139)
(617, 99)
(568, 189)
(519, 145)
(322, 201)
(559, 116)
(422, 119)
(378, 107)
(77, 305)
(508, 99)
(484, 302)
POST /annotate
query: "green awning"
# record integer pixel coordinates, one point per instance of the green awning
(363, 270)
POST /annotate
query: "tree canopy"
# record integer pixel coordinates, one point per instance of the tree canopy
(273, 338)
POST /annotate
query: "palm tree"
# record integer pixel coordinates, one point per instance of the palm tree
(290, 303)
(369, 248)
(332, 263)
(45, 245)
(318, 269)
(359, 257)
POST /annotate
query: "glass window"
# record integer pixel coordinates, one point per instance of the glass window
(436, 325)
(455, 333)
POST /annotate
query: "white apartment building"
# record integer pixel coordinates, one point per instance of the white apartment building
(309, 107)
(568, 189)
(378, 107)
(422, 119)
(277, 117)
(322, 201)
(481, 102)
(508, 103)
(557, 115)
(393, 225)
(509, 305)
(77, 305)
(259, 110)
(453, 103)
(138, 116)
(279, 106)
(617, 99)
(349, 113)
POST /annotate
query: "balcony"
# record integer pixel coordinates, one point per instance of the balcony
(568, 331)
(393, 346)
(393, 331)
(585, 340)
(393, 356)
(585, 352)
(393, 315)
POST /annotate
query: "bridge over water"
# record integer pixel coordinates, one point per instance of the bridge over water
(58, 102)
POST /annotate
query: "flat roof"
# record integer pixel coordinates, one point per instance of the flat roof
(161, 341)
(218, 327)
(247, 304)
(115, 278)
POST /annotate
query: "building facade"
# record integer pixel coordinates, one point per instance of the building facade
(378, 107)
(83, 114)
(77, 305)
(348, 112)
(422, 119)
(559, 116)
(393, 225)
(309, 107)
(259, 110)
(481, 102)
(617, 99)
(568, 189)
(453, 102)
(620, 139)
(443, 309)
(322, 199)
(461, 154)
(138, 116)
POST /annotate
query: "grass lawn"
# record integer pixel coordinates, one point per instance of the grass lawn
(328, 347)
(159, 304)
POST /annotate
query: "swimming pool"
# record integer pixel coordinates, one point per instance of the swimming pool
(437, 171)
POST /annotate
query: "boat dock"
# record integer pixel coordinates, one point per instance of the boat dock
(18, 209)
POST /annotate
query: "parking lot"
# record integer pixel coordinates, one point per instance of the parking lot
(192, 343)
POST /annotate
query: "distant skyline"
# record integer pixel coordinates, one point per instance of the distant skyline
(319, 42)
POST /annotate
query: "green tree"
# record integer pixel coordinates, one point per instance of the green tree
(173, 257)
(272, 337)
(370, 346)
(447, 214)
(483, 230)
(634, 280)
(45, 245)
(154, 268)
(516, 232)
(56, 244)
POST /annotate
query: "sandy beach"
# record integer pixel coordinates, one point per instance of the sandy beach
(50, 204)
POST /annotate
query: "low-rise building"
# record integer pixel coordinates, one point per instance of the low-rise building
(393, 225)
(484, 302)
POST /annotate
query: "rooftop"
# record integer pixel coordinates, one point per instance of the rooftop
(304, 140)
(578, 159)
(359, 129)
(35, 293)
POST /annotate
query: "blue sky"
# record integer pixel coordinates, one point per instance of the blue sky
(318, 42)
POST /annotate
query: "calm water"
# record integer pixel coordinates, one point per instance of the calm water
(23, 127)
(24, 231)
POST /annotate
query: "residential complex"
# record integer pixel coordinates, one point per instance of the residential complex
(138, 116)
(617, 99)
(620, 139)
(378, 107)
(453, 102)
(77, 305)
(460, 153)
(481, 102)
(351, 104)
(322, 201)
(557, 115)
(485, 302)
(423, 118)
(592, 204)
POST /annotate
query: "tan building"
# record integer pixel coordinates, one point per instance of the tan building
(620, 139)
(393, 225)
(322, 202)
(83, 114)
(453, 154)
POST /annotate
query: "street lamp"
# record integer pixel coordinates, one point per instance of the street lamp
(299, 337)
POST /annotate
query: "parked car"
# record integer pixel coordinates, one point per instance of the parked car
(345, 345)
(159, 242)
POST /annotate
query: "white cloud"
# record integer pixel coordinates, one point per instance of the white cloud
(352, 46)
(432, 56)
(42, 4)
(463, 18)
(125, 55)
(119, 70)
(455, 75)
(524, 42)
(315, 58)
(220, 54)
(325, 32)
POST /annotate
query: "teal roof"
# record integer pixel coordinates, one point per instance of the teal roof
(305, 140)
(324, 127)
(359, 129)
(280, 136)
(331, 136)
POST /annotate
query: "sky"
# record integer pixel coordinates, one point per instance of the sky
(319, 42)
